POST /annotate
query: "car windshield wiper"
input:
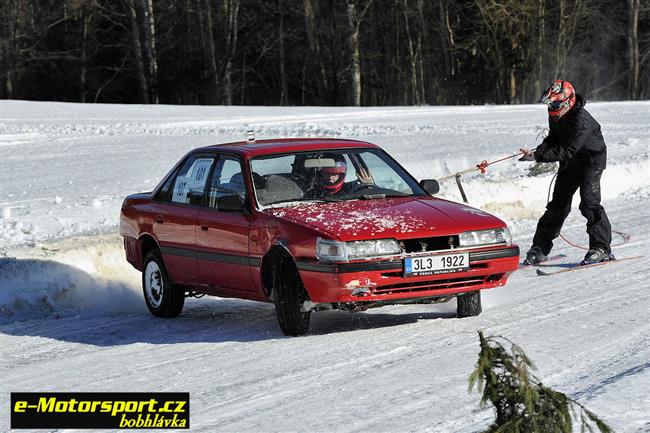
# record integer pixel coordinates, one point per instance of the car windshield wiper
(310, 200)
(381, 195)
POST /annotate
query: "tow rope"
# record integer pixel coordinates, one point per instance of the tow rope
(482, 167)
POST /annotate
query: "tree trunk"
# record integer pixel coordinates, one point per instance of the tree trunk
(143, 87)
(210, 53)
(413, 62)
(284, 91)
(150, 48)
(355, 52)
(232, 14)
(447, 37)
(85, 20)
(423, 35)
(313, 38)
(11, 52)
(539, 64)
(633, 48)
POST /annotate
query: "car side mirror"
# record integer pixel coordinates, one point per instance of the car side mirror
(231, 203)
(431, 186)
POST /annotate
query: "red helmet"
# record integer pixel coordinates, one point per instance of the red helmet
(331, 179)
(560, 98)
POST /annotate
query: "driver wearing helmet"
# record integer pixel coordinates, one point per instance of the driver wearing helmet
(330, 181)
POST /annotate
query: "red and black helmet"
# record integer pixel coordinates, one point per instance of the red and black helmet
(560, 97)
(338, 171)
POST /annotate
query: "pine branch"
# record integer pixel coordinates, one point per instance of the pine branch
(521, 401)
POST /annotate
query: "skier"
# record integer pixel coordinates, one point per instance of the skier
(575, 141)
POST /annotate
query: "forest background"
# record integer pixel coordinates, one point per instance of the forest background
(322, 52)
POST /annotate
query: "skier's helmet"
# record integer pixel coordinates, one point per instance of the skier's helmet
(331, 179)
(560, 98)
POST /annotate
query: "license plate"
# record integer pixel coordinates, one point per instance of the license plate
(434, 265)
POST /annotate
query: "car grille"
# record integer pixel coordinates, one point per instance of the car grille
(421, 286)
(437, 243)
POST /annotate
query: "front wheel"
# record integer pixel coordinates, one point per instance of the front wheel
(161, 296)
(469, 304)
(290, 294)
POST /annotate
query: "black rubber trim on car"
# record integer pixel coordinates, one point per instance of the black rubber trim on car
(339, 268)
(179, 252)
(213, 257)
(494, 254)
(228, 258)
(395, 265)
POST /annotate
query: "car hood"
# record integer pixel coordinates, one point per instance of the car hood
(400, 218)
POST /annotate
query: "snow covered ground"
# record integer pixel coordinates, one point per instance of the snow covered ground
(72, 317)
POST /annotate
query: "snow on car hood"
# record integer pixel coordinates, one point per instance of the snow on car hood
(401, 218)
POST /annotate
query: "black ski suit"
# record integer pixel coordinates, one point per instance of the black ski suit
(577, 143)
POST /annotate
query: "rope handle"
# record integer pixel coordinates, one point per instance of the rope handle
(482, 167)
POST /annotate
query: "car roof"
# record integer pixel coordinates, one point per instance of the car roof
(287, 145)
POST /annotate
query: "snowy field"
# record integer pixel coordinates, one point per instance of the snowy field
(72, 316)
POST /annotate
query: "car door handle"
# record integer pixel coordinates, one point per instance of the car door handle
(203, 227)
(160, 219)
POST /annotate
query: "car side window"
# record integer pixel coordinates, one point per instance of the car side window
(189, 184)
(382, 174)
(165, 192)
(227, 179)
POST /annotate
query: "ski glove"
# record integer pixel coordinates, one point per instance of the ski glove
(529, 155)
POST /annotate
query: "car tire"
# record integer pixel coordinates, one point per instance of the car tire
(469, 304)
(162, 297)
(289, 296)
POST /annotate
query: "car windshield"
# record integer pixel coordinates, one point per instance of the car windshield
(330, 175)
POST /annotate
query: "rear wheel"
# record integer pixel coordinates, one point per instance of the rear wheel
(162, 297)
(289, 296)
(469, 304)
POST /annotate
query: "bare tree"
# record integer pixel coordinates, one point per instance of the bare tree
(150, 48)
(284, 89)
(232, 15)
(207, 35)
(634, 6)
(313, 38)
(143, 85)
(354, 25)
(446, 37)
(414, 50)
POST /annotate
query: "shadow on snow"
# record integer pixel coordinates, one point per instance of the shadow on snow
(57, 301)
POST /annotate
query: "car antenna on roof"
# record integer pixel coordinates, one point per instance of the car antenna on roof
(250, 136)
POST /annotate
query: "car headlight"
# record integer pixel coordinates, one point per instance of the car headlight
(475, 238)
(330, 250)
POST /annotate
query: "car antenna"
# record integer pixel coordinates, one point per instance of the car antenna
(250, 136)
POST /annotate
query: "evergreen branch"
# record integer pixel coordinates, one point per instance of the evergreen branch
(522, 402)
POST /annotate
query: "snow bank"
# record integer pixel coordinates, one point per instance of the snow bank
(65, 168)
(70, 280)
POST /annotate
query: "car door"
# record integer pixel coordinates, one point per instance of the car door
(175, 211)
(222, 236)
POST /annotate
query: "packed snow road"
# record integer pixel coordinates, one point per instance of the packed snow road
(73, 318)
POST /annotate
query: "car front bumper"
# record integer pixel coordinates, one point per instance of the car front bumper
(384, 280)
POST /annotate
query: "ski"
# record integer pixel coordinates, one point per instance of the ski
(549, 259)
(577, 266)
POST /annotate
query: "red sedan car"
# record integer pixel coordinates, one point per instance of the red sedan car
(309, 224)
